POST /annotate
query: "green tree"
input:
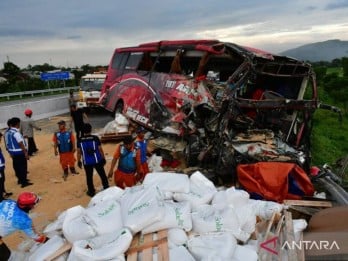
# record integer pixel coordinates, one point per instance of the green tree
(345, 66)
(336, 63)
(11, 71)
(320, 72)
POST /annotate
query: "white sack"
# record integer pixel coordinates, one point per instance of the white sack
(72, 257)
(177, 215)
(243, 253)
(167, 181)
(176, 237)
(121, 120)
(110, 127)
(154, 163)
(196, 199)
(198, 180)
(47, 249)
(55, 226)
(265, 209)
(113, 192)
(212, 246)
(140, 207)
(18, 256)
(120, 124)
(106, 247)
(76, 225)
(180, 253)
(299, 225)
(247, 221)
(209, 219)
(231, 196)
(201, 191)
(106, 216)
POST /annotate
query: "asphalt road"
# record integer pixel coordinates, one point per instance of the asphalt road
(98, 119)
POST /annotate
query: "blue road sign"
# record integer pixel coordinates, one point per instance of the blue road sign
(54, 76)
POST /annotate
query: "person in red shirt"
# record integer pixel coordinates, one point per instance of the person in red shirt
(129, 166)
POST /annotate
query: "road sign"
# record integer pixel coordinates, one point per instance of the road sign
(54, 76)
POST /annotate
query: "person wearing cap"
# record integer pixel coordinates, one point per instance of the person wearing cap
(16, 147)
(90, 150)
(141, 145)
(15, 216)
(27, 129)
(128, 158)
(64, 145)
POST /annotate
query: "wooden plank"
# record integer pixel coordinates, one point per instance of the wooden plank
(163, 252)
(148, 243)
(310, 211)
(66, 247)
(279, 226)
(147, 251)
(266, 255)
(301, 252)
(312, 203)
(269, 226)
(143, 247)
(114, 136)
(137, 240)
(290, 236)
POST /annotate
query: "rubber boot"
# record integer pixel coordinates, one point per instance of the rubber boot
(73, 171)
(65, 175)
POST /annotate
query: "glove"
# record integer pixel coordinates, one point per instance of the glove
(79, 163)
(103, 161)
(42, 239)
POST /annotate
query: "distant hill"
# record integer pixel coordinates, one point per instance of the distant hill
(320, 51)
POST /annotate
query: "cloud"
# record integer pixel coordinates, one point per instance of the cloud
(87, 32)
(337, 5)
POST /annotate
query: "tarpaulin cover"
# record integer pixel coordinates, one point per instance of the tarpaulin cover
(275, 180)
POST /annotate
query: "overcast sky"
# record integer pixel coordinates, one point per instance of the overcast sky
(78, 32)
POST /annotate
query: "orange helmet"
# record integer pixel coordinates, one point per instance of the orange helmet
(27, 200)
(28, 112)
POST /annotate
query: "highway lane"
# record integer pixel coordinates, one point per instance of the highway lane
(47, 107)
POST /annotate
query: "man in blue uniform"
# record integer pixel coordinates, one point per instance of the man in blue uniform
(14, 215)
(90, 150)
(3, 192)
(16, 146)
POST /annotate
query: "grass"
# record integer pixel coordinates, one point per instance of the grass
(329, 135)
(329, 138)
(338, 70)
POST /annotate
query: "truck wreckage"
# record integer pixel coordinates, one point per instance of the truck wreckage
(219, 103)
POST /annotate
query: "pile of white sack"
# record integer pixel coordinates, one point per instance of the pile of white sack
(203, 222)
(118, 125)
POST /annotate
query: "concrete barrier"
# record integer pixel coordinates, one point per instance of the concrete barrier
(43, 108)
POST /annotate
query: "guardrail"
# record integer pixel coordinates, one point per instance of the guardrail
(32, 93)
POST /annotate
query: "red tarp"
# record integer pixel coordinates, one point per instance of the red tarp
(275, 180)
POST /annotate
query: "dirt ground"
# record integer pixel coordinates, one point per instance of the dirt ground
(45, 172)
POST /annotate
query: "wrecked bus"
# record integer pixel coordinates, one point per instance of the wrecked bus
(227, 103)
